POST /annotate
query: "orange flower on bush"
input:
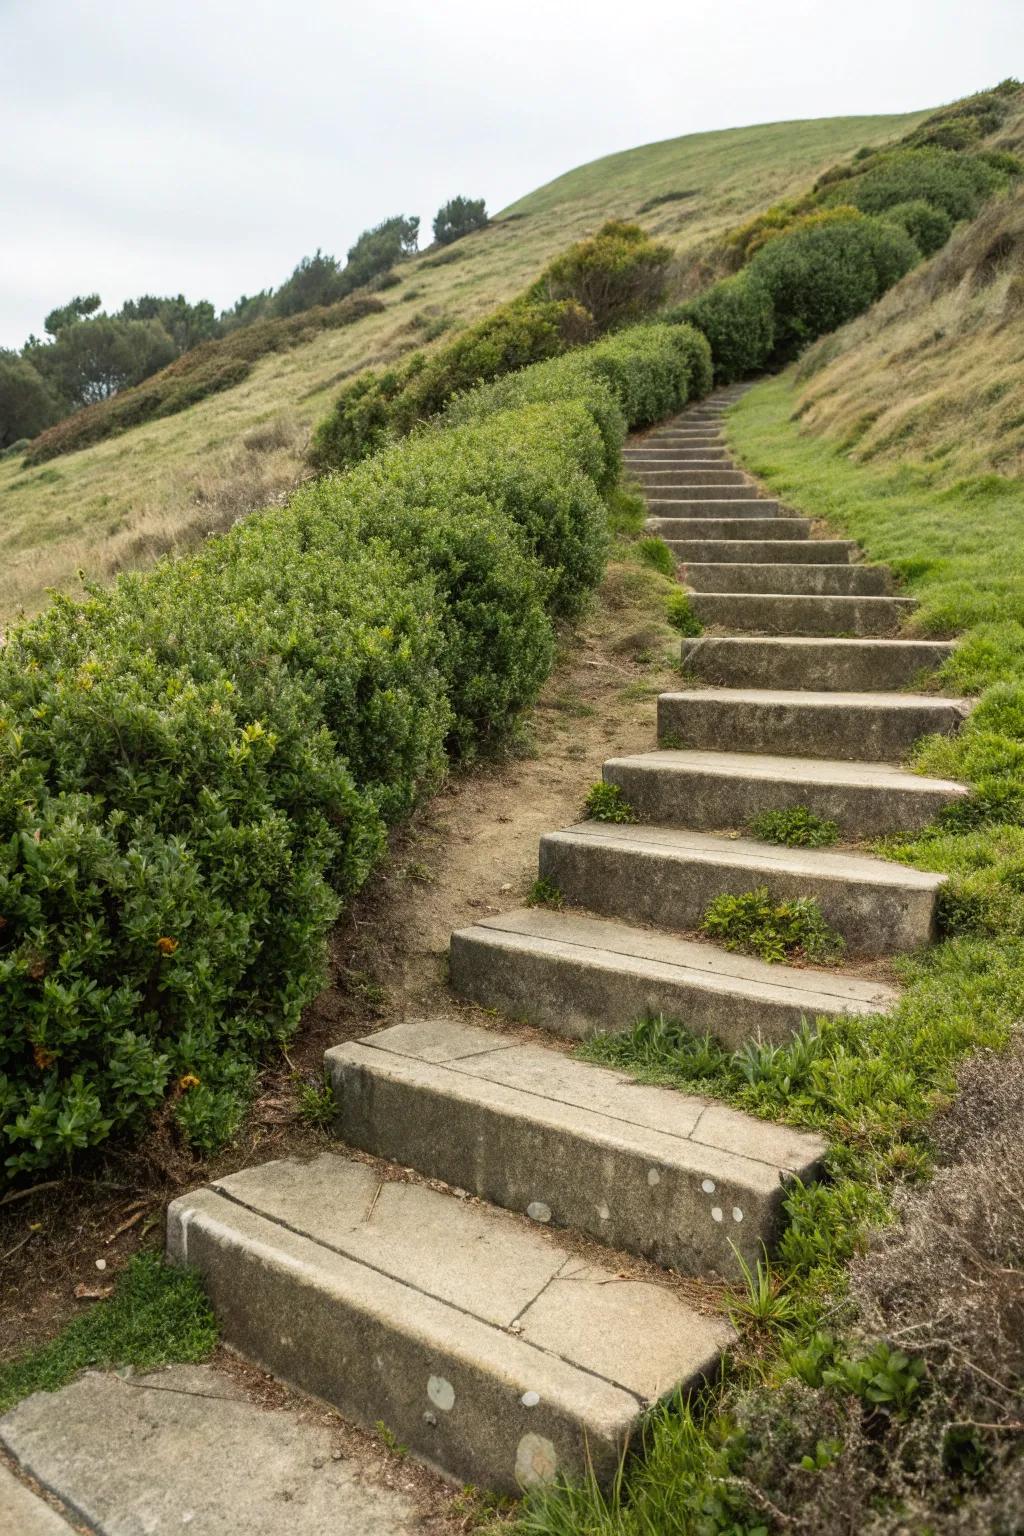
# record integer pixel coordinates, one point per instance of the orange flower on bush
(42, 1057)
(167, 946)
(188, 1081)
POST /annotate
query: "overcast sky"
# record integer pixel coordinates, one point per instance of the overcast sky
(205, 145)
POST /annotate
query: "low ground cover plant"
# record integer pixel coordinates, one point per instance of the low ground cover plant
(797, 827)
(755, 924)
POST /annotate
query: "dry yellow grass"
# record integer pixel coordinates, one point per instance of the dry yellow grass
(165, 485)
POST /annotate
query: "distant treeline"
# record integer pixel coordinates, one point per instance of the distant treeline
(87, 355)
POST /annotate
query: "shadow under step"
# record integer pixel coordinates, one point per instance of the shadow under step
(801, 662)
(674, 1178)
(575, 974)
(713, 791)
(804, 580)
(669, 876)
(766, 550)
(860, 726)
(495, 1353)
(785, 614)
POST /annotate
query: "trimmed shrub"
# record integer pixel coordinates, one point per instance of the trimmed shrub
(377, 406)
(618, 275)
(738, 318)
(825, 270)
(929, 227)
(625, 381)
(196, 767)
(205, 370)
(956, 183)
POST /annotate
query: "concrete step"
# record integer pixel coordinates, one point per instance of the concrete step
(495, 1353)
(718, 790)
(669, 876)
(654, 468)
(862, 727)
(574, 974)
(808, 580)
(667, 486)
(641, 1169)
(692, 442)
(673, 508)
(747, 526)
(798, 662)
(690, 458)
(799, 551)
(781, 614)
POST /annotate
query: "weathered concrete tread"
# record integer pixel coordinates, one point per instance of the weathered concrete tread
(491, 1350)
(854, 726)
(829, 579)
(572, 974)
(714, 790)
(812, 662)
(799, 550)
(667, 1175)
(669, 875)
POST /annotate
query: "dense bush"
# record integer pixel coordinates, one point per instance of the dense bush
(627, 380)
(207, 369)
(956, 183)
(738, 318)
(929, 227)
(459, 217)
(618, 275)
(825, 270)
(199, 766)
(378, 406)
(27, 404)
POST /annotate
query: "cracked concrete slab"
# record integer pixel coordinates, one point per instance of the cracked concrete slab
(184, 1450)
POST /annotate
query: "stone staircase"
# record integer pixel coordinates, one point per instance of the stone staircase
(519, 1252)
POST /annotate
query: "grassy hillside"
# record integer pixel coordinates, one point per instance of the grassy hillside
(164, 485)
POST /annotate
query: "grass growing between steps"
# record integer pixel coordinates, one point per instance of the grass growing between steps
(155, 1315)
(879, 1391)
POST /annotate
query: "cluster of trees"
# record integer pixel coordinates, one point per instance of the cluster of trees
(88, 355)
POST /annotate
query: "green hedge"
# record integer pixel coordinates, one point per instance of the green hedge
(198, 767)
(737, 316)
(377, 406)
(956, 183)
(626, 381)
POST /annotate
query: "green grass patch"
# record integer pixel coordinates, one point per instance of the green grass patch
(656, 553)
(156, 1316)
(753, 924)
(545, 893)
(680, 614)
(606, 802)
(797, 827)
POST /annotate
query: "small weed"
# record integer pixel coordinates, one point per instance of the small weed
(884, 1378)
(420, 873)
(680, 614)
(797, 827)
(656, 553)
(763, 1302)
(606, 802)
(545, 893)
(316, 1103)
(753, 924)
(627, 512)
(389, 1439)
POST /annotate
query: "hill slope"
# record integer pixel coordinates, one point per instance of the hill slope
(164, 485)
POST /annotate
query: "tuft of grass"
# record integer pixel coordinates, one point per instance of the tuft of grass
(797, 827)
(156, 1316)
(754, 924)
(680, 614)
(656, 553)
(606, 802)
(545, 893)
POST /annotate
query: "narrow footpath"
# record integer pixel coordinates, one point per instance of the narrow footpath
(551, 1266)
